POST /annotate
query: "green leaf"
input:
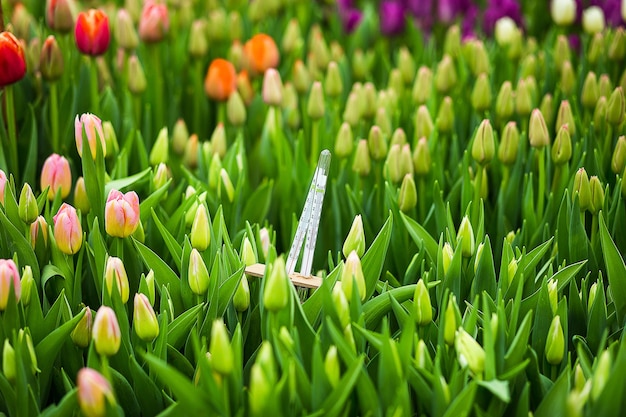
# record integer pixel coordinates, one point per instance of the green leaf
(615, 270)
(25, 253)
(463, 402)
(258, 203)
(335, 403)
(123, 183)
(498, 388)
(180, 327)
(66, 406)
(376, 308)
(153, 200)
(421, 236)
(553, 404)
(172, 244)
(374, 258)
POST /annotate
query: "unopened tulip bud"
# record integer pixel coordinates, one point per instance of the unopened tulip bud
(160, 148)
(315, 106)
(341, 303)
(553, 295)
(272, 88)
(597, 195)
(422, 357)
(145, 322)
(504, 101)
(59, 15)
(260, 389)
(94, 393)
(8, 361)
(528, 66)
(368, 100)
(565, 116)
(332, 367)
(333, 83)
(617, 48)
(81, 335)
(481, 94)
(421, 301)
(115, 272)
(355, 241)
(51, 62)
(276, 291)
(38, 232)
(467, 233)
(154, 23)
(110, 138)
(469, 352)
(563, 12)
(352, 112)
(445, 116)
(509, 145)
(562, 147)
(344, 143)
(56, 176)
(445, 75)
(180, 136)
(190, 154)
(593, 290)
(92, 32)
(421, 158)
(450, 322)
(149, 286)
(351, 275)
(423, 85)
(568, 78)
(301, 77)
(590, 92)
(121, 213)
(260, 53)
(124, 31)
(241, 298)
(599, 113)
(137, 82)
(479, 254)
(236, 109)
(618, 161)
(582, 188)
(292, 38)
(538, 131)
(198, 274)
(423, 123)
(396, 83)
(383, 121)
(198, 42)
(523, 99)
(362, 163)
(479, 61)
(215, 168)
(91, 126)
(452, 41)
(601, 374)
(446, 255)
(81, 201)
(407, 198)
(511, 270)
(9, 278)
(226, 186)
(200, 235)
(398, 137)
(616, 107)
(28, 209)
(67, 230)
(377, 143)
(484, 146)
(605, 87)
(593, 20)
(106, 332)
(555, 343)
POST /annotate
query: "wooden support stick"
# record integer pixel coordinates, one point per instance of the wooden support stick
(299, 280)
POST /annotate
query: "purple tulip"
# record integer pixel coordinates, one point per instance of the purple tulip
(497, 9)
(350, 15)
(612, 11)
(391, 17)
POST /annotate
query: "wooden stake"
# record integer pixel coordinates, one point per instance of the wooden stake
(299, 280)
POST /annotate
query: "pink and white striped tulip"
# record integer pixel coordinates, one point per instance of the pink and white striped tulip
(121, 213)
(67, 230)
(92, 126)
(56, 174)
(9, 274)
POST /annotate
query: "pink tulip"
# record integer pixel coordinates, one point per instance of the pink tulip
(8, 274)
(56, 174)
(154, 23)
(92, 125)
(121, 214)
(93, 392)
(106, 332)
(3, 183)
(115, 271)
(67, 230)
(39, 226)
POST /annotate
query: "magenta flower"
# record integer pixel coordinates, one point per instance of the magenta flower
(497, 9)
(349, 14)
(391, 14)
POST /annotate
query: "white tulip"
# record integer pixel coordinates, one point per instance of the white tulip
(563, 12)
(593, 20)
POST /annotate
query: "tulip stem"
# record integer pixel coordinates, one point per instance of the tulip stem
(54, 116)
(95, 96)
(542, 182)
(421, 186)
(594, 231)
(10, 109)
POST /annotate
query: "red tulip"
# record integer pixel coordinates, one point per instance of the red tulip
(92, 32)
(12, 59)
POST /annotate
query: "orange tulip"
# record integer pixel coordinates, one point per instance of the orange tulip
(221, 80)
(92, 32)
(12, 59)
(261, 53)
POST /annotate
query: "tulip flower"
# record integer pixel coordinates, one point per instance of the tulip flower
(593, 20)
(221, 80)
(59, 15)
(391, 17)
(81, 335)
(94, 392)
(154, 23)
(422, 306)
(469, 351)
(276, 291)
(92, 32)
(106, 332)
(92, 126)
(261, 53)
(56, 174)
(355, 241)
(124, 31)
(555, 342)
(563, 12)
(115, 271)
(9, 275)
(200, 235)
(145, 321)
(12, 59)
(221, 352)
(37, 228)
(67, 230)
(352, 275)
(3, 184)
(27, 207)
(197, 273)
(121, 214)
(8, 361)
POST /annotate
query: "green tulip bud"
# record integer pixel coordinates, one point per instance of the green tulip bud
(590, 92)
(383, 121)
(483, 147)
(618, 160)
(553, 295)
(28, 209)
(368, 100)
(332, 367)
(377, 143)
(315, 106)
(478, 59)
(422, 357)
(555, 343)
(562, 51)
(398, 137)
(406, 64)
(8, 362)
(582, 188)
(344, 141)
(222, 358)
(450, 326)
(352, 274)
(565, 116)
(241, 299)
(396, 83)
(537, 130)
(301, 77)
(445, 115)
(226, 186)
(272, 88)
(423, 123)
(106, 332)
(276, 292)
(596, 48)
(407, 198)
(160, 149)
(423, 85)
(523, 98)
(600, 113)
(292, 38)
(352, 111)
(145, 321)
(27, 284)
(469, 352)
(198, 274)
(198, 43)
(236, 109)
(81, 335)
(341, 304)
(562, 147)
(467, 234)
(447, 255)
(355, 241)
(528, 66)
(509, 145)
(616, 107)
(362, 163)
(617, 48)
(481, 94)
(479, 254)
(597, 195)
(452, 41)
(504, 101)
(601, 374)
(605, 87)
(422, 305)
(445, 75)
(568, 78)
(180, 136)
(200, 235)
(511, 270)
(149, 285)
(392, 164)
(421, 158)
(579, 378)
(137, 82)
(592, 296)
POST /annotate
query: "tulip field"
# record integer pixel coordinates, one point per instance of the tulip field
(318, 208)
